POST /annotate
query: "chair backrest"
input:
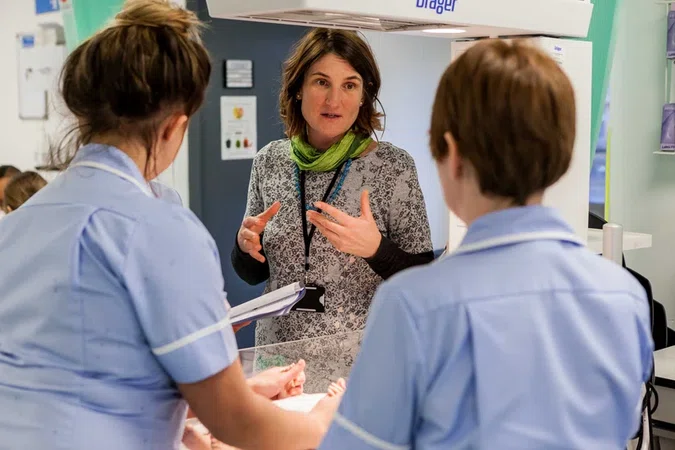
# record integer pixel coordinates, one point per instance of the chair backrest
(595, 221)
(660, 331)
(660, 326)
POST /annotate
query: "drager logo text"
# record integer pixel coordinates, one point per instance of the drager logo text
(440, 6)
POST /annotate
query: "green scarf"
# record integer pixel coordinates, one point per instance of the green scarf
(310, 159)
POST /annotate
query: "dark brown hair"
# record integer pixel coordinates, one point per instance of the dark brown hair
(347, 45)
(21, 187)
(511, 110)
(127, 78)
(8, 171)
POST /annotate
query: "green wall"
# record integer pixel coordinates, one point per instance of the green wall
(86, 17)
(642, 184)
(602, 34)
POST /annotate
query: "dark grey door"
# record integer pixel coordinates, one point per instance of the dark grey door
(218, 188)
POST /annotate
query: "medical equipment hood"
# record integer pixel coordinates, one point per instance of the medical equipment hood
(461, 18)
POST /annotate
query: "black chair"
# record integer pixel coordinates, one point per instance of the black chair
(663, 336)
(660, 330)
(660, 333)
(658, 312)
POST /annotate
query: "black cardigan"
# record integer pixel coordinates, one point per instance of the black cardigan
(388, 260)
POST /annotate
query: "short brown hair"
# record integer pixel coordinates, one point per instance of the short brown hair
(22, 187)
(8, 171)
(127, 78)
(511, 110)
(347, 45)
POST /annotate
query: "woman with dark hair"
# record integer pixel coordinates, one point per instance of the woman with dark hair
(113, 313)
(330, 206)
(20, 188)
(6, 174)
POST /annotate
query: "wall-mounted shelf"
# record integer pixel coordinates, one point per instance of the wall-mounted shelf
(669, 65)
(631, 241)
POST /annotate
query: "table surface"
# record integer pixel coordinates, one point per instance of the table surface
(664, 366)
(631, 241)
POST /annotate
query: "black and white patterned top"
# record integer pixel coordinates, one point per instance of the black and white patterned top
(397, 204)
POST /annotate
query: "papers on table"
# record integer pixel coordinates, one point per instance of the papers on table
(197, 425)
(272, 304)
(300, 403)
(303, 403)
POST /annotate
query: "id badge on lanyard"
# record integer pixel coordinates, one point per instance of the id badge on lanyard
(315, 295)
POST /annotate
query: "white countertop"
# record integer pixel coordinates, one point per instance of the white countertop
(631, 241)
(664, 363)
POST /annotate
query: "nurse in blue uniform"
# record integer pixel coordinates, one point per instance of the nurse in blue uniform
(113, 317)
(521, 338)
(166, 193)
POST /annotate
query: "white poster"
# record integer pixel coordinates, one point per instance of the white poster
(238, 127)
(32, 95)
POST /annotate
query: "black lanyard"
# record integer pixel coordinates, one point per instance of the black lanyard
(303, 211)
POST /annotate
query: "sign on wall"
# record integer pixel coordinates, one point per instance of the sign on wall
(46, 6)
(37, 74)
(238, 73)
(32, 100)
(238, 127)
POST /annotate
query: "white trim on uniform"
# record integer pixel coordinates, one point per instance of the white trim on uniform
(365, 436)
(515, 239)
(189, 339)
(106, 168)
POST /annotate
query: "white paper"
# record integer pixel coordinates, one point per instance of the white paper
(197, 425)
(274, 310)
(238, 127)
(269, 298)
(300, 403)
(272, 304)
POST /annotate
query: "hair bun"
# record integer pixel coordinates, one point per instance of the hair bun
(158, 14)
